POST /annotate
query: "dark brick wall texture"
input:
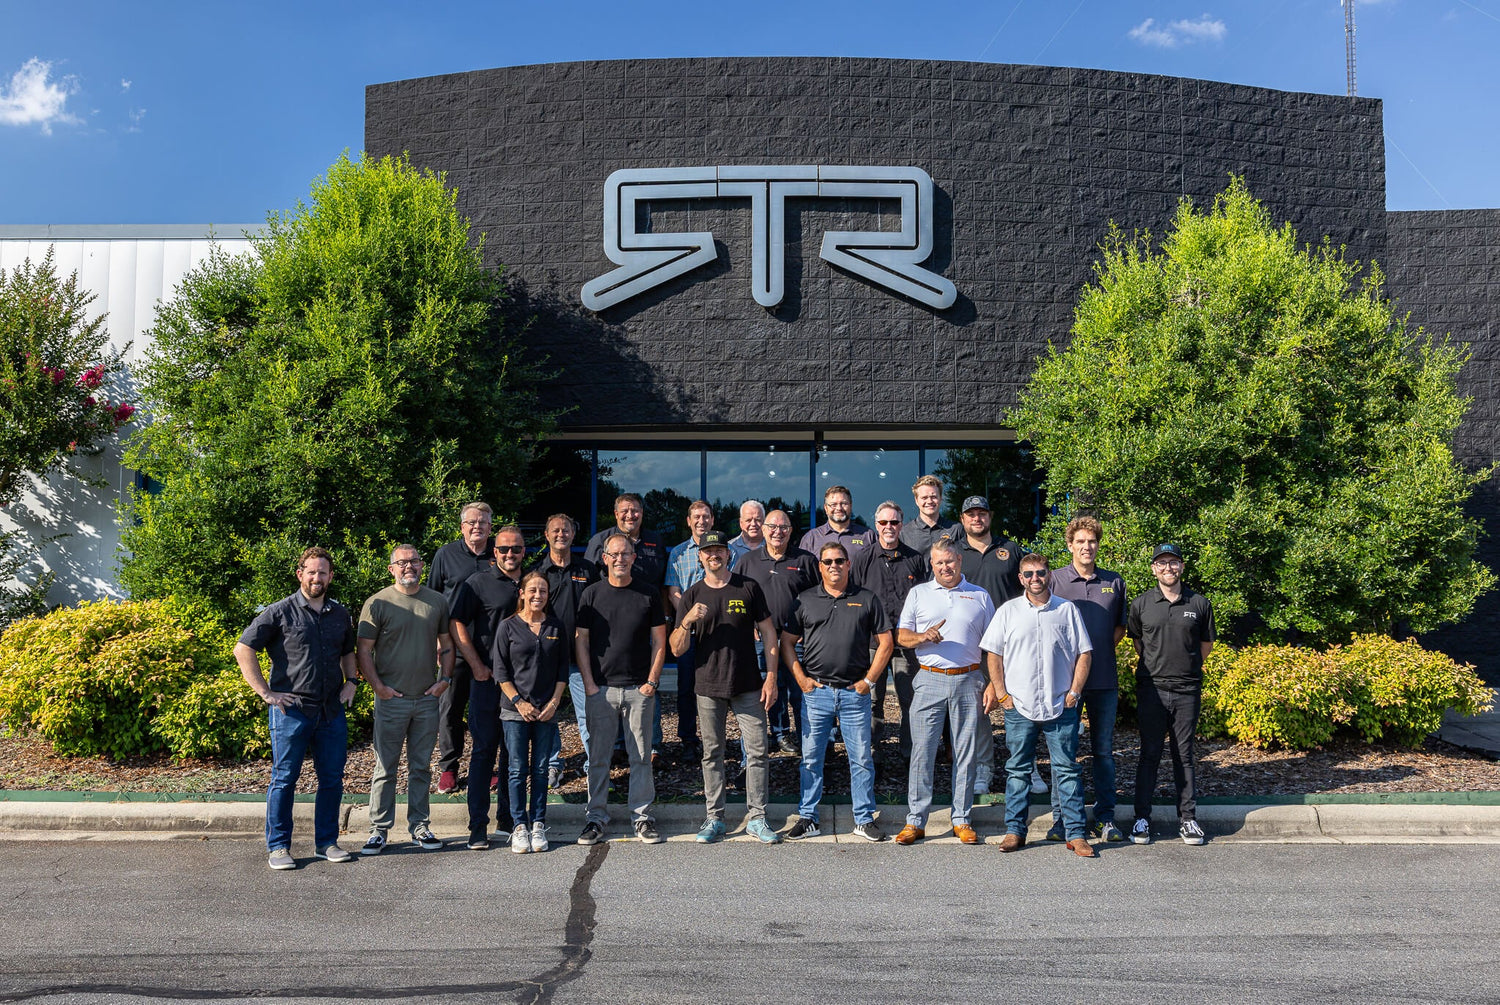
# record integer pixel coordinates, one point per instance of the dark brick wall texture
(1030, 163)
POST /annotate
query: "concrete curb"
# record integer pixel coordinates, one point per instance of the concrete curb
(1324, 823)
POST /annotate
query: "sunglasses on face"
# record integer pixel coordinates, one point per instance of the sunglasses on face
(832, 562)
(1034, 574)
(510, 547)
(887, 523)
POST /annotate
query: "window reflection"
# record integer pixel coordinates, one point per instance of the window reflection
(776, 476)
(1005, 474)
(666, 480)
(871, 474)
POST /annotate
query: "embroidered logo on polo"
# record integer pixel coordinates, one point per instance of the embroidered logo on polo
(888, 258)
(1190, 614)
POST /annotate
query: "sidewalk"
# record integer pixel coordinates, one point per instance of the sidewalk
(1479, 733)
(1420, 819)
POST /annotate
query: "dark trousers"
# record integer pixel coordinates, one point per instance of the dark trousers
(451, 705)
(487, 757)
(1166, 717)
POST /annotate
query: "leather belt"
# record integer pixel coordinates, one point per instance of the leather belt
(951, 671)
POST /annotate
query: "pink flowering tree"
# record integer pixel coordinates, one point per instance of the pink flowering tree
(61, 396)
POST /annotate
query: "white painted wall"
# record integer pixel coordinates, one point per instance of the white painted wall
(130, 269)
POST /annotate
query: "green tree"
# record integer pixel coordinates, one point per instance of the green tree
(62, 396)
(348, 384)
(1260, 403)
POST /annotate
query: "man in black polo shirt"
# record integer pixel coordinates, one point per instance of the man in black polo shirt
(621, 642)
(890, 569)
(783, 571)
(838, 507)
(483, 601)
(455, 562)
(567, 576)
(1173, 630)
(720, 616)
(992, 563)
(838, 626)
(650, 567)
(310, 638)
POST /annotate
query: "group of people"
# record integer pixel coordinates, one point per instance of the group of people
(793, 640)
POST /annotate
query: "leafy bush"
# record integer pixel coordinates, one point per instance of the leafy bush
(1272, 696)
(91, 679)
(216, 716)
(1403, 689)
(1212, 721)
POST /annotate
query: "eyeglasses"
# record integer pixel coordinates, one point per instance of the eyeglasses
(777, 526)
(510, 547)
(887, 523)
(615, 556)
(407, 563)
(1034, 574)
(834, 562)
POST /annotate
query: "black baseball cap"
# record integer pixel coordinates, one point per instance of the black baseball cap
(976, 502)
(713, 539)
(1165, 549)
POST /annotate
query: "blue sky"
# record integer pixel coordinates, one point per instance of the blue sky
(212, 112)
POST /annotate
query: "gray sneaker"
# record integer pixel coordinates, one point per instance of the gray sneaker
(1105, 830)
(334, 853)
(870, 831)
(281, 859)
(646, 832)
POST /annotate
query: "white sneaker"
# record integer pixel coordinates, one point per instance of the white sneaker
(520, 840)
(539, 836)
(1038, 783)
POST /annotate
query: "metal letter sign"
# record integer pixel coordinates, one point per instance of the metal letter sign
(889, 258)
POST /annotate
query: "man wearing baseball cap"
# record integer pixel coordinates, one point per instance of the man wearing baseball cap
(1172, 627)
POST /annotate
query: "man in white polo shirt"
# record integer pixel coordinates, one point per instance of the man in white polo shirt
(1039, 658)
(942, 622)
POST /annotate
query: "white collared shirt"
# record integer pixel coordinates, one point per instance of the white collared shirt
(1039, 647)
(964, 610)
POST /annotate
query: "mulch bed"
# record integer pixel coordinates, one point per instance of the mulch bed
(1225, 769)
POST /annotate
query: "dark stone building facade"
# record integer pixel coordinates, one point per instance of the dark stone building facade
(1030, 166)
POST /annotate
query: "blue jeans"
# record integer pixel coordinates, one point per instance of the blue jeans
(576, 693)
(822, 708)
(1062, 745)
(1101, 706)
(292, 733)
(528, 745)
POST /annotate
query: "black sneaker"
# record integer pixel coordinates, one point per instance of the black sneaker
(870, 831)
(646, 832)
(479, 841)
(375, 844)
(787, 745)
(426, 840)
(592, 833)
(804, 828)
(1191, 833)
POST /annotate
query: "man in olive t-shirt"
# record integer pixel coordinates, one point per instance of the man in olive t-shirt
(403, 640)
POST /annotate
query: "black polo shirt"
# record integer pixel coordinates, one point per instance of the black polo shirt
(1101, 600)
(565, 585)
(650, 566)
(454, 563)
(483, 601)
(917, 536)
(1172, 634)
(724, 641)
(855, 538)
(619, 620)
(996, 569)
(837, 633)
(533, 661)
(890, 575)
(306, 647)
(780, 579)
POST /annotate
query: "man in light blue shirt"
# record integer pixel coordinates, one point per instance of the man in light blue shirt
(942, 622)
(1039, 658)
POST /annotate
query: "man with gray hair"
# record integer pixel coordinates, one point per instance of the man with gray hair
(751, 535)
(406, 654)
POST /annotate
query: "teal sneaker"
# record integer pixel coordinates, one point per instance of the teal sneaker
(711, 831)
(762, 832)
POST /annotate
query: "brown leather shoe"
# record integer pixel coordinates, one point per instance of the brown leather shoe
(1082, 848)
(965, 833)
(910, 835)
(1012, 842)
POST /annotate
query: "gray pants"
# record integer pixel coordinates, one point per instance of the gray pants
(609, 710)
(712, 715)
(939, 701)
(413, 723)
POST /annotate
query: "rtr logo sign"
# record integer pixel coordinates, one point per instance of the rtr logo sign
(888, 258)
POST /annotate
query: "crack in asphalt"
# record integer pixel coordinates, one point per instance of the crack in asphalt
(578, 935)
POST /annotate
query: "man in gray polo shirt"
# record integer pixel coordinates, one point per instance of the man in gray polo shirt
(1039, 655)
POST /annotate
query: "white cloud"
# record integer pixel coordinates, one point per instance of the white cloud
(33, 98)
(124, 84)
(137, 116)
(1170, 36)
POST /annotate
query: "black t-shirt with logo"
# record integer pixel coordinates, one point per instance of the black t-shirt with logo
(724, 641)
(837, 633)
(1172, 634)
(619, 620)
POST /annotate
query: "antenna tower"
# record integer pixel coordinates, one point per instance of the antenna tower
(1349, 43)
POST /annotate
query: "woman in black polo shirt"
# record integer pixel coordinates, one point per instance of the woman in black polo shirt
(530, 657)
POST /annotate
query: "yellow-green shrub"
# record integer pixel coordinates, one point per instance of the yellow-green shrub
(1284, 696)
(1403, 690)
(90, 679)
(1212, 720)
(215, 716)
